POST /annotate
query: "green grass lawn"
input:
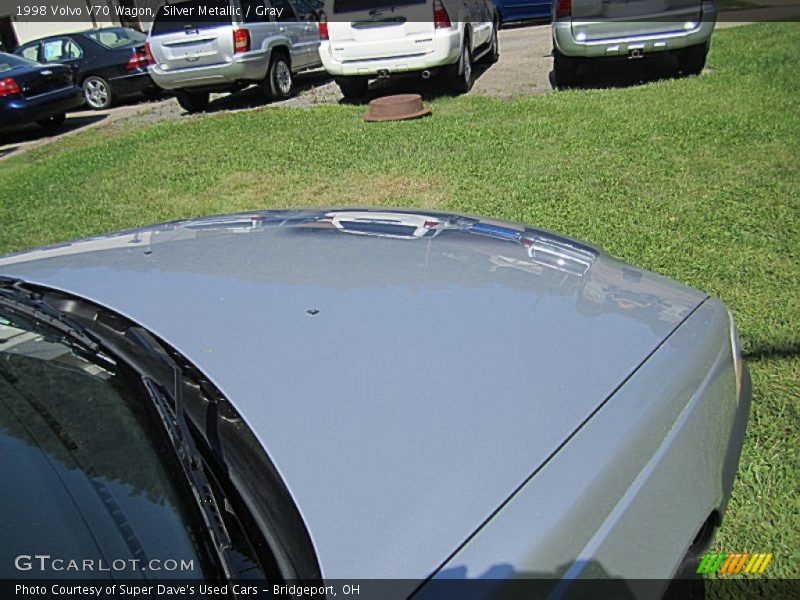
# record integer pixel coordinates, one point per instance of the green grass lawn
(696, 179)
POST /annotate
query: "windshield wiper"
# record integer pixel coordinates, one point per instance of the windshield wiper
(161, 377)
(175, 422)
(30, 305)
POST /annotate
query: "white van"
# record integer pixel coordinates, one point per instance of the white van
(363, 39)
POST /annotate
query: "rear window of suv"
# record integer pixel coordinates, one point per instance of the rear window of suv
(191, 14)
(345, 6)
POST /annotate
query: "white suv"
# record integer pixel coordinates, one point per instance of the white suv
(363, 39)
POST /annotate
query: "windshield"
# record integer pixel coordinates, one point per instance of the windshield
(117, 37)
(192, 14)
(87, 470)
(9, 61)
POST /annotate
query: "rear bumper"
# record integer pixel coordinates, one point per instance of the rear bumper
(674, 37)
(248, 67)
(447, 49)
(21, 111)
(134, 83)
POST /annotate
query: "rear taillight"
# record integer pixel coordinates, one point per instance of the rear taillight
(151, 60)
(9, 87)
(563, 9)
(140, 58)
(323, 26)
(241, 40)
(440, 17)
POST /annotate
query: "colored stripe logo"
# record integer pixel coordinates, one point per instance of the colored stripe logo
(734, 562)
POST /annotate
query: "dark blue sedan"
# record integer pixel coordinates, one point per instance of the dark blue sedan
(31, 92)
(109, 63)
(523, 10)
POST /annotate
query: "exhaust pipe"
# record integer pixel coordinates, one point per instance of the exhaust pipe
(426, 74)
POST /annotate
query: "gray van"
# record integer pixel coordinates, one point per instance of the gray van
(592, 30)
(204, 46)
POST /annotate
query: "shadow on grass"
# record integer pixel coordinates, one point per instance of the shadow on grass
(12, 140)
(624, 72)
(788, 349)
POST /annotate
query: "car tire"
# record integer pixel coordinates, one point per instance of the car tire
(279, 81)
(692, 60)
(565, 71)
(97, 92)
(193, 102)
(53, 121)
(493, 55)
(464, 75)
(353, 88)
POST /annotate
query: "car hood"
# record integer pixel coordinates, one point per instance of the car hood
(405, 388)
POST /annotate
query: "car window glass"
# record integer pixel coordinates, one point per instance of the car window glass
(76, 434)
(53, 50)
(304, 11)
(286, 10)
(72, 50)
(254, 11)
(345, 6)
(187, 16)
(31, 52)
(61, 49)
(117, 37)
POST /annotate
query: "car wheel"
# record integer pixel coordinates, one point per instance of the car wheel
(464, 76)
(53, 121)
(494, 50)
(353, 87)
(692, 60)
(97, 92)
(193, 102)
(279, 78)
(565, 70)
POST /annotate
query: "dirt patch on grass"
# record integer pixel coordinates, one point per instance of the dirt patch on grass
(265, 190)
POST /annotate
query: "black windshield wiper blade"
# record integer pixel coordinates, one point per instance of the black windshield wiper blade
(182, 440)
(15, 298)
(161, 377)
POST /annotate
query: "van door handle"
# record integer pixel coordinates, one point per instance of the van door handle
(282, 29)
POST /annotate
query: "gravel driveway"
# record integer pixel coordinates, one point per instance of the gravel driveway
(523, 70)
